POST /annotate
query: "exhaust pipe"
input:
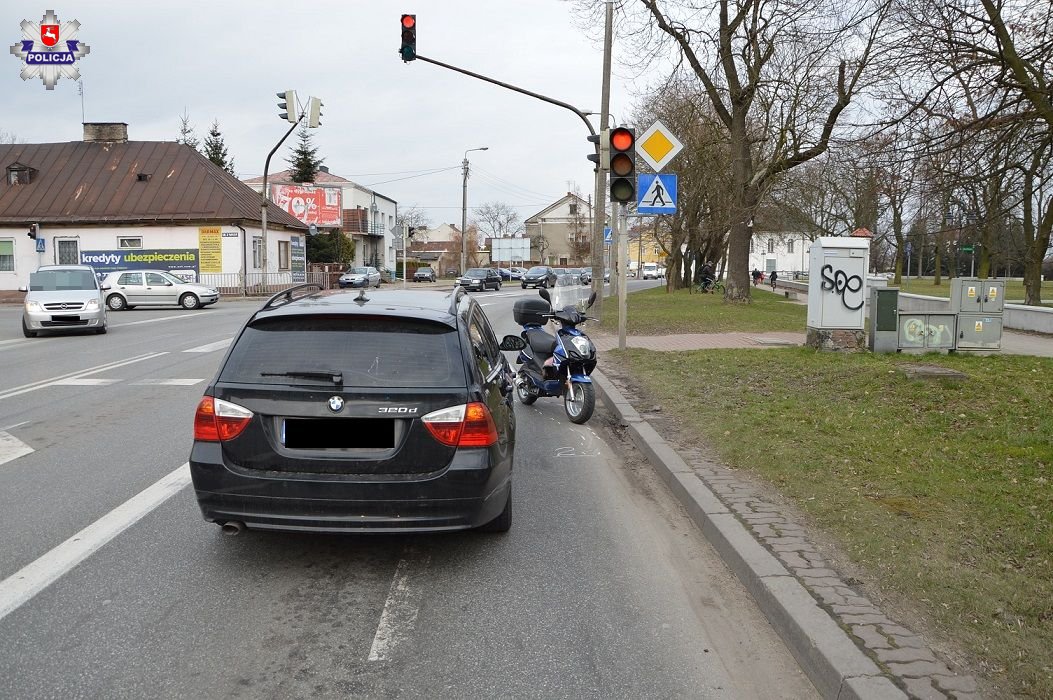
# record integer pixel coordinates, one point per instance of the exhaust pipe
(233, 527)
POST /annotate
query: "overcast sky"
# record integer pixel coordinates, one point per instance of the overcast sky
(383, 119)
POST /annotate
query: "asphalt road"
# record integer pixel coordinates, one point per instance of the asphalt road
(602, 589)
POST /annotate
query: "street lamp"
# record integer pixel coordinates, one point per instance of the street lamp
(464, 207)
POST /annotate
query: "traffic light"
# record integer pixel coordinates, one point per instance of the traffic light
(409, 38)
(32, 231)
(314, 113)
(410, 231)
(604, 140)
(288, 106)
(623, 165)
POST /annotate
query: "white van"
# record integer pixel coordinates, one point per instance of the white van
(650, 271)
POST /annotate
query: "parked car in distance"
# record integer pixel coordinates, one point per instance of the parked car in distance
(424, 274)
(539, 276)
(63, 297)
(131, 288)
(586, 275)
(400, 423)
(481, 278)
(511, 273)
(360, 277)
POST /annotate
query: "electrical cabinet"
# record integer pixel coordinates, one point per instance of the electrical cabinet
(884, 324)
(970, 295)
(979, 332)
(837, 282)
(926, 332)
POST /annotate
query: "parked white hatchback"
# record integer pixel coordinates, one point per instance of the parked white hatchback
(131, 288)
(63, 297)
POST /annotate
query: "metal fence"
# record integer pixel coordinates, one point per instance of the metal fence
(258, 284)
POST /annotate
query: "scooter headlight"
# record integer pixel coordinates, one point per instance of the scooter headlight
(581, 345)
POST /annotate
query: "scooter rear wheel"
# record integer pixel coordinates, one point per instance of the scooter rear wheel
(523, 392)
(579, 401)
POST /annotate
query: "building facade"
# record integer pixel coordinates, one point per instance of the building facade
(117, 204)
(561, 233)
(785, 252)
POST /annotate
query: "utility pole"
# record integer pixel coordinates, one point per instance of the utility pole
(464, 208)
(599, 262)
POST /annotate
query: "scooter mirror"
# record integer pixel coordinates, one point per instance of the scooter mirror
(512, 342)
(544, 295)
(592, 300)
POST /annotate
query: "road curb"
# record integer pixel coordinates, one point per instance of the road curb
(824, 651)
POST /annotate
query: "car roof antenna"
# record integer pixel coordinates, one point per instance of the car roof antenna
(361, 299)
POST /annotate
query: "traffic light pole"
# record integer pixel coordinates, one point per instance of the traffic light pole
(266, 199)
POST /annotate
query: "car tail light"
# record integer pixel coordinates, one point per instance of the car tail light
(218, 420)
(467, 425)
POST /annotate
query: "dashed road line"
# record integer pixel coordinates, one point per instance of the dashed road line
(33, 386)
(218, 345)
(167, 382)
(399, 615)
(156, 320)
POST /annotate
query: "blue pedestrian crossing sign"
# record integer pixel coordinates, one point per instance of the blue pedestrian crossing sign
(657, 194)
(607, 234)
(40, 244)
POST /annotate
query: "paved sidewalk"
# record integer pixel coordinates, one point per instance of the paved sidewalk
(846, 644)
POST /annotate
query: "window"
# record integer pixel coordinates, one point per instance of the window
(283, 255)
(68, 252)
(19, 174)
(7, 255)
(129, 241)
(487, 351)
(789, 246)
(573, 208)
(657, 250)
(257, 252)
(130, 279)
(155, 280)
(771, 245)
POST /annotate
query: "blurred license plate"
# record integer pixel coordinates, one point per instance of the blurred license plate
(329, 433)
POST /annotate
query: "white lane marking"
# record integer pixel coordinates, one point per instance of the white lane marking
(33, 386)
(16, 425)
(14, 340)
(12, 448)
(218, 345)
(399, 615)
(156, 320)
(84, 381)
(21, 586)
(167, 382)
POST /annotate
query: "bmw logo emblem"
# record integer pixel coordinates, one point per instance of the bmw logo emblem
(336, 403)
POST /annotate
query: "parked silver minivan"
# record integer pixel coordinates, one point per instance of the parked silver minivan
(63, 297)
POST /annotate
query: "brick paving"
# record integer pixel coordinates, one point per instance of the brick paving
(902, 653)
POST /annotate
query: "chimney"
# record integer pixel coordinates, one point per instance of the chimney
(103, 132)
(323, 168)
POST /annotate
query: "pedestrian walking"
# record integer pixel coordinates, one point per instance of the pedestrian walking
(756, 277)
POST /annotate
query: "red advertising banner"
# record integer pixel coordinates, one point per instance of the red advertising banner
(320, 206)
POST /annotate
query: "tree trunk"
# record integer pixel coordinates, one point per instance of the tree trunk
(1035, 254)
(743, 207)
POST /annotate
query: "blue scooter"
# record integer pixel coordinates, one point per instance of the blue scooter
(557, 365)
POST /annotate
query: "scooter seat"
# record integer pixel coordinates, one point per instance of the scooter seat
(540, 342)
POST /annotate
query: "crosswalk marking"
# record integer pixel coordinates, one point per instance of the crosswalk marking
(167, 382)
(218, 345)
(84, 381)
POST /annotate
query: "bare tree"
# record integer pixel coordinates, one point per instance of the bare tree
(498, 220)
(778, 74)
(416, 219)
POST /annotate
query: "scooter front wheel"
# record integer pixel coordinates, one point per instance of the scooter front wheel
(523, 390)
(579, 401)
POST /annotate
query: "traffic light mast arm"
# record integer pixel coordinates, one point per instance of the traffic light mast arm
(541, 97)
(265, 198)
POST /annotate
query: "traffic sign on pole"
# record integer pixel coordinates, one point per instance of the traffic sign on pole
(657, 146)
(657, 194)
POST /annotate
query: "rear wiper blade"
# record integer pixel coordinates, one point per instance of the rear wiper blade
(333, 376)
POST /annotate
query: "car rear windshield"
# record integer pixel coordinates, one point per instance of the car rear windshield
(61, 280)
(366, 351)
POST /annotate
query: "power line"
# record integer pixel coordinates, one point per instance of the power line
(410, 177)
(487, 174)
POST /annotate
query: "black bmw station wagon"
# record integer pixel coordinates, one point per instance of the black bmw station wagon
(343, 412)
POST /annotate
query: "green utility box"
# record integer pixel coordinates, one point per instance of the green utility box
(970, 295)
(884, 311)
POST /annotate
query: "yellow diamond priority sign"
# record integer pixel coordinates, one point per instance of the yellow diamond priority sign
(657, 146)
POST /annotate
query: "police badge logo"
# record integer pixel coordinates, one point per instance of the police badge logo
(49, 50)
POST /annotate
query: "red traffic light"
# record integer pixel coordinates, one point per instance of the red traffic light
(409, 21)
(622, 139)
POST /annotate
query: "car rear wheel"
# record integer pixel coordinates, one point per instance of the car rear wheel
(26, 332)
(116, 302)
(189, 301)
(523, 285)
(503, 522)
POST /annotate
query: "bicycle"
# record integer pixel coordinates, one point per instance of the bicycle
(707, 286)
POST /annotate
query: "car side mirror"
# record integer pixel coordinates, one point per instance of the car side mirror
(592, 300)
(512, 342)
(105, 287)
(23, 288)
(543, 293)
